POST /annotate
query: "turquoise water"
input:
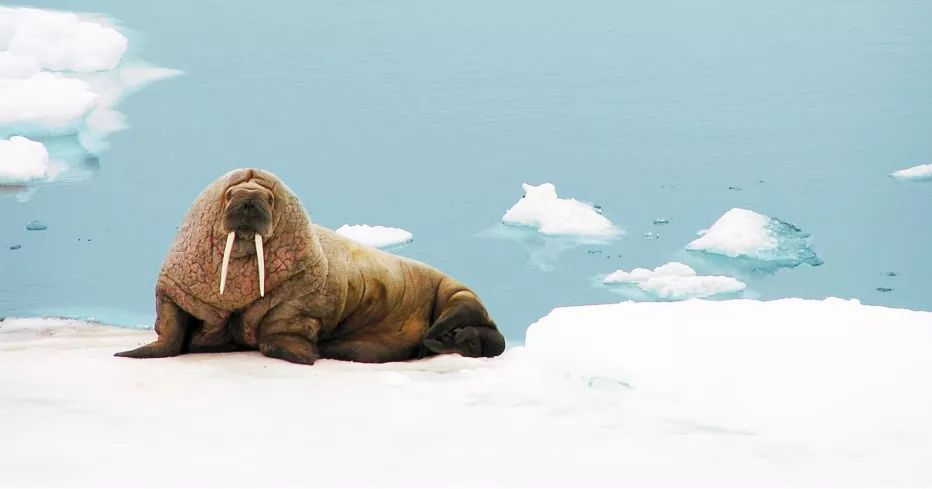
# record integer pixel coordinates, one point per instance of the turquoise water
(429, 115)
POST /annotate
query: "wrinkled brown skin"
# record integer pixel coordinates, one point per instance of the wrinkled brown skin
(326, 296)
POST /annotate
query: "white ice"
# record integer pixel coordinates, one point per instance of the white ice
(375, 236)
(63, 73)
(541, 208)
(697, 393)
(46, 103)
(61, 41)
(675, 281)
(921, 172)
(748, 234)
(22, 160)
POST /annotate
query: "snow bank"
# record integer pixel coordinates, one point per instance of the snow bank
(741, 233)
(793, 370)
(697, 393)
(375, 236)
(22, 160)
(62, 74)
(675, 281)
(921, 172)
(541, 208)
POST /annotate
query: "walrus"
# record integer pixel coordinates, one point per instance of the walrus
(249, 271)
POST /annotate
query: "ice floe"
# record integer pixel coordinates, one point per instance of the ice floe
(61, 76)
(375, 236)
(22, 160)
(921, 172)
(46, 103)
(694, 393)
(61, 41)
(741, 233)
(675, 281)
(542, 209)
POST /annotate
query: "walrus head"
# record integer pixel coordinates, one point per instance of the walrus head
(248, 217)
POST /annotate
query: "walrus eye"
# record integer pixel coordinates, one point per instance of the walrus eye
(229, 194)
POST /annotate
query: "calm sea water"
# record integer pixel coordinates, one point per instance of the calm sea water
(428, 115)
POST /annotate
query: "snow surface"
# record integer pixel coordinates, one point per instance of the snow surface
(697, 393)
(542, 209)
(675, 281)
(921, 172)
(22, 160)
(375, 236)
(62, 74)
(741, 233)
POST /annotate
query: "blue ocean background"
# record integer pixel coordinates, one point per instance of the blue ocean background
(429, 115)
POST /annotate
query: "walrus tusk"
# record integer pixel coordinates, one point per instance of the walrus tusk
(226, 260)
(260, 256)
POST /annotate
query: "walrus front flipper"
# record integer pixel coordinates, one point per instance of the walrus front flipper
(170, 324)
(464, 327)
(155, 349)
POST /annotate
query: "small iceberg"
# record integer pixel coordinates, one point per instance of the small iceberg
(62, 74)
(375, 236)
(675, 281)
(541, 208)
(741, 233)
(921, 172)
(36, 226)
(22, 160)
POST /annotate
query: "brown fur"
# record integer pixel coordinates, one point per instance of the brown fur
(326, 296)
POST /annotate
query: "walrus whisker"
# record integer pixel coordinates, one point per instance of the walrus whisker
(226, 260)
(260, 256)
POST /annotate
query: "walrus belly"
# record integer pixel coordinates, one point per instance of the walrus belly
(388, 304)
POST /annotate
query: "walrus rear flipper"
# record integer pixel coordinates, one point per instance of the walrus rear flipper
(465, 328)
(470, 342)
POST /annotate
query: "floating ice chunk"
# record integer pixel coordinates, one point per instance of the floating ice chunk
(61, 75)
(22, 160)
(637, 275)
(542, 209)
(675, 287)
(17, 66)
(651, 235)
(36, 226)
(675, 281)
(375, 236)
(134, 77)
(51, 101)
(61, 41)
(741, 233)
(921, 172)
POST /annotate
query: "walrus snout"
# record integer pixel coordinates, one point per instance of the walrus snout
(247, 216)
(248, 212)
